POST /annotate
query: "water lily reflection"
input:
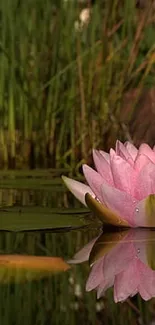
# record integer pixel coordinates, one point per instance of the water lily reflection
(123, 259)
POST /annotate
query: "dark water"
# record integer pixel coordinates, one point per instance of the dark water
(46, 222)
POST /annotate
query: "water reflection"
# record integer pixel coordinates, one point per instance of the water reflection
(34, 288)
(123, 259)
(21, 268)
(44, 296)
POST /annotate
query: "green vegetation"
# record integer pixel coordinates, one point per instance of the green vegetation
(61, 91)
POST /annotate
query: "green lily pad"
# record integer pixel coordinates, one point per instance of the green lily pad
(39, 218)
(32, 183)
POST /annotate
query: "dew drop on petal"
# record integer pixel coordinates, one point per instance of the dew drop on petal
(137, 210)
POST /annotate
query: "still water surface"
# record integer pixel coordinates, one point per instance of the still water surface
(39, 219)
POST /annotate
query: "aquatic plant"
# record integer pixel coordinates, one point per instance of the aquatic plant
(122, 188)
(124, 260)
(64, 94)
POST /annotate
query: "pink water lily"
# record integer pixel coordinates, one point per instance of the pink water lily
(128, 265)
(123, 183)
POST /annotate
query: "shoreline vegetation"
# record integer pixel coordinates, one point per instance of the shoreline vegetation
(64, 91)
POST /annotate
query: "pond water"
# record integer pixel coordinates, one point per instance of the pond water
(52, 250)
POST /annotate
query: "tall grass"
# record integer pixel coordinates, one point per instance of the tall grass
(61, 90)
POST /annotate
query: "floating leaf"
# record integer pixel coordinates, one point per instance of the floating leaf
(38, 218)
(35, 173)
(41, 210)
(32, 183)
(103, 213)
(23, 267)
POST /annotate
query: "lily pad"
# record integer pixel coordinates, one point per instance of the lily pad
(39, 218)
(19, 268)
(40, 184)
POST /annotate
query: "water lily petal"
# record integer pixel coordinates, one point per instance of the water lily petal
(126, 282)
(94, 179)
(78, 189)
(123, 152)
(120, 202)
(141, 161)
(144, 293)
(105, 243)
(95, 276)
(83, 254)
(144, 215)
(119, 148)
(123, 174)
(146, 286)
(147, 151)
(144, 243)
(145, 183)
(111, 264)
(119, 258)
(133, 151)
(105, 155)
(103, 286)
(112, 154)
(102, 167)
(134, 292)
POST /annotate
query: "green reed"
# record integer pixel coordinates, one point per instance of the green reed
(61, 91)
